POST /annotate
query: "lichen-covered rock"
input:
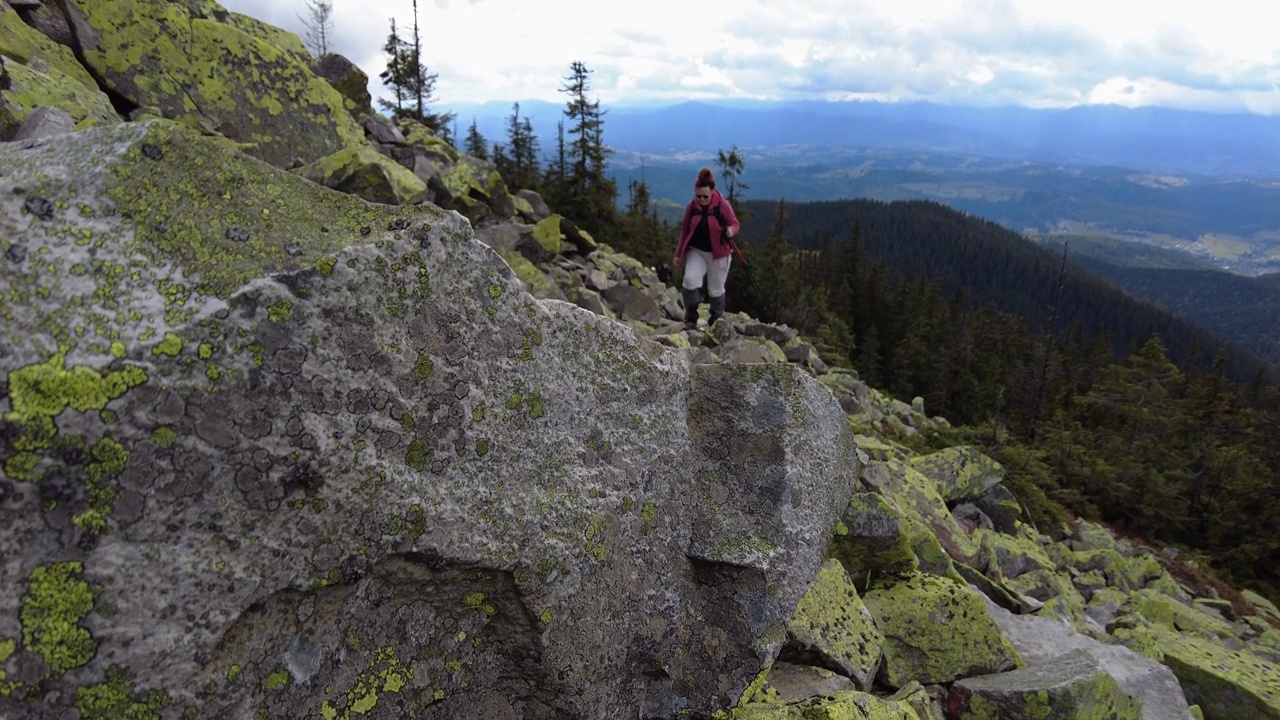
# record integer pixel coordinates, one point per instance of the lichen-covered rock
(936, 631)
(960, 473)
(1225, 684)
(365, 173)
(272, 450)
(23, 43)
(349, 80)
(45, 121)
(1042, 640)
(27, 88)
(841, 706)
(792, 682)
(1173, 615)
(193, 65)
(831, 628)
(873, 539)
(1073, 687)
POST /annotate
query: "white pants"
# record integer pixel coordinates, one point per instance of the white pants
(698, 263)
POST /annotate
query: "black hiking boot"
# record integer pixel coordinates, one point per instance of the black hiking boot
(691, 298)
(717, 309)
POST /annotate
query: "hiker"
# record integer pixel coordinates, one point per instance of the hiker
(705, 241)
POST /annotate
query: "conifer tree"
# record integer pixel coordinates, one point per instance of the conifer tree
(411, 82)
(587, 193)
(476, 145)
(395, 76)
(519, 166)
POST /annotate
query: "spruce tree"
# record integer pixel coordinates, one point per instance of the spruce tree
(476, 145)
(395, 76)
(589, 194)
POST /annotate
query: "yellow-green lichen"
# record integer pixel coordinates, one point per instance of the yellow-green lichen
(422, 367)
(545, 617)
(38, 393)
(477, 601)
(477, 413)
(280, 311)
(325, 265)
(7, 648)
(417, 456)
(384, 674)
(482, 447)
(116, 699)
(170, 345)
(275, 680)
(56, 602)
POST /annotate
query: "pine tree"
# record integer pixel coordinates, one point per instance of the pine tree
(413, 85)
(318, 23)
(589, 194)
(476, 145)
(519, 166)
(395, 76)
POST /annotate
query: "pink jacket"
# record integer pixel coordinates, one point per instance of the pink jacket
(720, 245)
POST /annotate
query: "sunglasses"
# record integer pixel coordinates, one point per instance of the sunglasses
(702, 196)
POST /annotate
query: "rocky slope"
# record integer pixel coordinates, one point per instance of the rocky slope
(271, 450)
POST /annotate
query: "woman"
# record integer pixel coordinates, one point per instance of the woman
(705, 234)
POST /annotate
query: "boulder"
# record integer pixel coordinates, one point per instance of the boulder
(1041, 641)
(632, 303)
(29, 87)
(960, 473)
(793, 682)
(1073, 686)
(362, 172)
(936, 631)
(45, 122)
(1224, 683)
(537, 206)
(873, 539)
(22, 43)
(48, 21)
(196, 63)
(349, 80)
(831, 628)
(274, 451)
(853, 705)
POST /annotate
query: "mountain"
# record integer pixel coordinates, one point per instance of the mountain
(1219, 145)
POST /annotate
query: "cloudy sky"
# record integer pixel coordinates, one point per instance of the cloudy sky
(1197, 54)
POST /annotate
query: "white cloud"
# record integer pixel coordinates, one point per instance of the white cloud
(1215, 55)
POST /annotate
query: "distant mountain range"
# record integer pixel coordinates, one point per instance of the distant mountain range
(1162, 140)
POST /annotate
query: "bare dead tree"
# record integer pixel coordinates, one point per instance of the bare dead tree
(319, 24)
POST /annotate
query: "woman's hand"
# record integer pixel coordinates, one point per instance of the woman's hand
(675, 261)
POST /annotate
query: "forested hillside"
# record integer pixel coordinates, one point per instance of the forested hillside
(1063, 378)
(988, 264)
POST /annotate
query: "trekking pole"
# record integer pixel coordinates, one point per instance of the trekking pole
(738, 251)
